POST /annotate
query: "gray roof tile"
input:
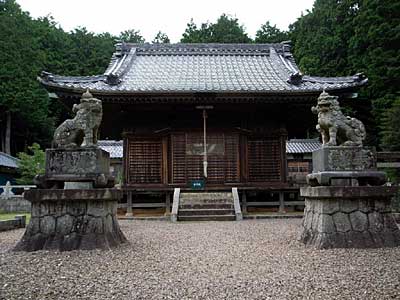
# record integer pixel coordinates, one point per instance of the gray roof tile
(302, 145)
(8, 160)
(115, 148)
(136, 68)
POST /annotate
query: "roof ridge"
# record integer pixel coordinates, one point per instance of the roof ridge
(203, 48)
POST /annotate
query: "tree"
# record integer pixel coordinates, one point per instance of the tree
(161, 38)
(194, 35)
(321, 37)
(27, 47)
(391, 127)
(350, 36)
(270, 34)
(132, 36)
(375, 50)
(30, 165)
(23, 104)
(226, 30)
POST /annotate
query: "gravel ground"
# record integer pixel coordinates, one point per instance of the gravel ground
(253, 259)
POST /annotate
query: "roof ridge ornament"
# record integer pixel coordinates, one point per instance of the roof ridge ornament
(47, 76)
(113, 79)
(295, 78)
(359, 77)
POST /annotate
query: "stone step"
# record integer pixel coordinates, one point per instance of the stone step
(207, 218)
(202, 212)
(207, 206)
(205, 202)
(203, 197)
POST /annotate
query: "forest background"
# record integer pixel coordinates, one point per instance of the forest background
(334, 38)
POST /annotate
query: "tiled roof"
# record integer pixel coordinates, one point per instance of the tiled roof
(8, 160)
(302, 145)
(115, 148)
(188, 68)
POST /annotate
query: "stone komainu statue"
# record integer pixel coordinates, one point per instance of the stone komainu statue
(83, 128)
(337, 129)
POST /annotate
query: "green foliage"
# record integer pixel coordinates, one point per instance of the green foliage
(349, 36)
(31, 165)
(131, 36)
(161, 38)
(20, 93)
(270, 34)
(391, 127)
(12, 215)
(226, 30)
(29, 46)
(321, 38)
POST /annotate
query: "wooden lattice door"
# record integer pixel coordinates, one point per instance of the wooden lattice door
(222, 153)
(264, 159)
(145, 160)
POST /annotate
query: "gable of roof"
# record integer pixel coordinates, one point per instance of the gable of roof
(194, 68)
(8, 161)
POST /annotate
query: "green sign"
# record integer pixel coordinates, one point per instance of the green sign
(197, 184)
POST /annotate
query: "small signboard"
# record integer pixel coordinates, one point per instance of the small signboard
(197, 184)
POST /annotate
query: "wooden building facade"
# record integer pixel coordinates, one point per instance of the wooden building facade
(177, 106)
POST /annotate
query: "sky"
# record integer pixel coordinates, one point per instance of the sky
(169, 16)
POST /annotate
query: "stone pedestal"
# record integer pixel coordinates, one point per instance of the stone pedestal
(89, 164)
(67, 220)
(349, 217)
(345, 165)
(343, 158)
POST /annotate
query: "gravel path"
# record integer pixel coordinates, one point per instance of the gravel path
(257, 259)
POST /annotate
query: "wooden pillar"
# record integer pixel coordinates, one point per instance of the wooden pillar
(281, 202)
(167, 204)
(129, 205)
(244, 202)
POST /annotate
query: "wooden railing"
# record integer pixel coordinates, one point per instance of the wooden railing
(8, 190)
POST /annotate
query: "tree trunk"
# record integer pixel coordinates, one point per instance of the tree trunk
(7, 146)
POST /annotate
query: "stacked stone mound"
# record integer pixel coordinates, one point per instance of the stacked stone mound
(347, 205)
(67, 220)
(349, 217)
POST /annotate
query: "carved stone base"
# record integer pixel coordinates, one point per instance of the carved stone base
(64, 220)
(76, 165)
(343, 158)
(349, 217)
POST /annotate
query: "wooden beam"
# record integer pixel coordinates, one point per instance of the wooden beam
(244, 202)
(281, 202)
(167, 204)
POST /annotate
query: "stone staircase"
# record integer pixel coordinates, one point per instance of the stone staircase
(204, 206)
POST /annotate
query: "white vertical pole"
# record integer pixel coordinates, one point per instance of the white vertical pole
(205, 143)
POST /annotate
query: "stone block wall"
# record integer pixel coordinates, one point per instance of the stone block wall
(349, 223)
(15, 204)
(74, 219)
